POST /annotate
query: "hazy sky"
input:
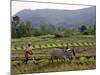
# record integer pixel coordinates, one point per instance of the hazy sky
(18, 6)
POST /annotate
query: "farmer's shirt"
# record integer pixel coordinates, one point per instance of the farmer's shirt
(29, 51)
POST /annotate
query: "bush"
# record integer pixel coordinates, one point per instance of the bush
(58, 35)
(85, 33)
(92, 59)
(82, 59)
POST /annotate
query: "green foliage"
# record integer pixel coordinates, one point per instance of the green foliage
(16, 19)
(75, 44)
(87, 31)
(58, 35)
(13, 30)
(82, 59)
(43, 29)
(43, 46)
(49, 46)
(91, 59)
(83, 28)
(48, 36)
(22, 30)
(18, 48)
(37, 46)
(26, 29)
(49, 39)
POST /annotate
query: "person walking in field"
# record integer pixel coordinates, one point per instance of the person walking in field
(28, 52)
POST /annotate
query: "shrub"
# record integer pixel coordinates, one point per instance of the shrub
(91, 59)
(82, 59)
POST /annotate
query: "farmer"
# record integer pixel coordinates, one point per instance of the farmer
(28, 52)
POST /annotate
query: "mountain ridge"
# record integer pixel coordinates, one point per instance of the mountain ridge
(57, 17)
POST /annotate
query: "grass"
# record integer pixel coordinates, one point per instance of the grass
(45, 66)
(48, 39)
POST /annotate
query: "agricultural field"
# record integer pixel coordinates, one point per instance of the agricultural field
(50, 39)
(84, 45)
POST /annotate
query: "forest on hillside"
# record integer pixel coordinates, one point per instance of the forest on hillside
(26, 29)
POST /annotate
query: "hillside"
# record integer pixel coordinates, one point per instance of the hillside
(67, 18)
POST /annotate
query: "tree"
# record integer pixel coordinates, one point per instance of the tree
(14, 26)
(13, 30)
(36, 31)
(51, 29)
(29, 29)
(82, 28)
(43, 29)
(16, 19)
(24, 29)
(21, 30)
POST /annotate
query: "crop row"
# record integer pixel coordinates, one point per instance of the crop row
(53, 45)
(40, 57)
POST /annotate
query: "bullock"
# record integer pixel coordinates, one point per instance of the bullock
(60, 53)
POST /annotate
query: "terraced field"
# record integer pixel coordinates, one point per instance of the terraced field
(40, 60)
